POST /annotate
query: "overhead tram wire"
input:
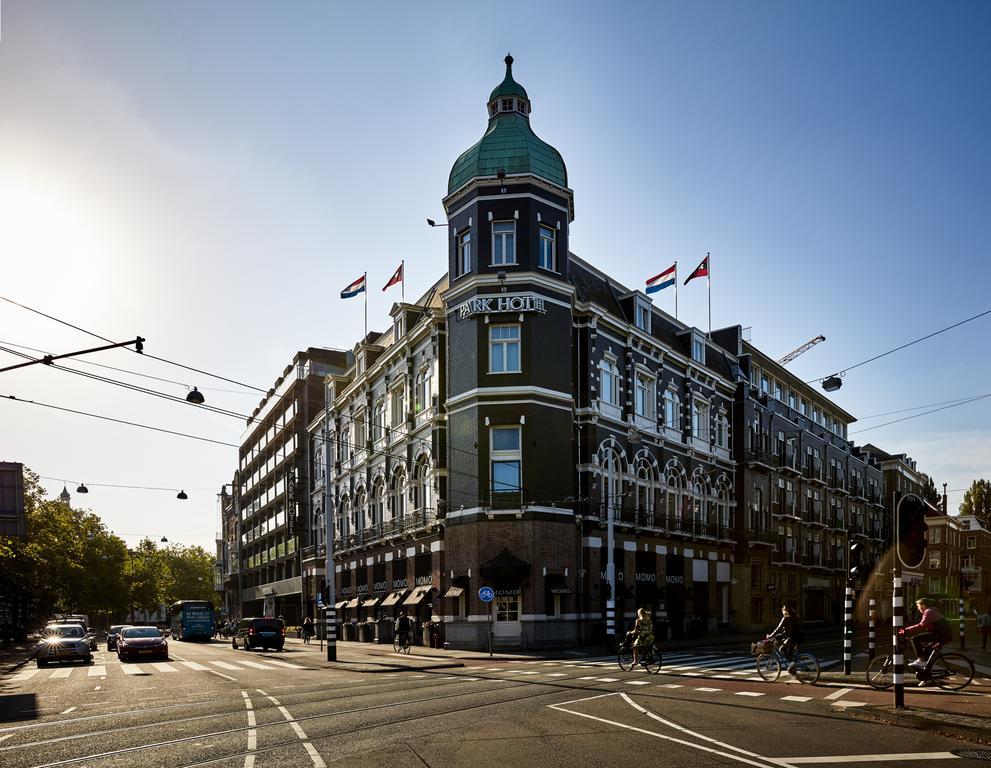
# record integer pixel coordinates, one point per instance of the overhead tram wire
(957, 401)
(896, 349)
(143, 354)
(917, 415)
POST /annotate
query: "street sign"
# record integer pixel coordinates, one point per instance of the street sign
(486, 594)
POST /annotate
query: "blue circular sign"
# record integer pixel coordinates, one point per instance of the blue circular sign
(486, 594)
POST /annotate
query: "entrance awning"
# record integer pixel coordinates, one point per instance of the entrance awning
(353, 603)
(393, 598)
(454, 592)
(370, 602)
(341, 604)
(418, 595)
(505, 569)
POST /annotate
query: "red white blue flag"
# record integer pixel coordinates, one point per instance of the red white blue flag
(358, 286)
(667, 278)
(397, 277)
(702, 270)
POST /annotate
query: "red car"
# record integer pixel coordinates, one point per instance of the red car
(141, 643)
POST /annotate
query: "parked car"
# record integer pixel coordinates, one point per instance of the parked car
(112, 635)
(63, 642)
(259, 633)
(140, 643)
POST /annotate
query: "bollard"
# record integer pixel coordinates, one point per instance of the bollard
(898, 656)
(871, 624)
(848, 632)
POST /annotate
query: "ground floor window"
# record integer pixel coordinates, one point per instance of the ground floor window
(756, 610)
(507, 608)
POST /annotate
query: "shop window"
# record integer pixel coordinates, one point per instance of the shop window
(507, 607)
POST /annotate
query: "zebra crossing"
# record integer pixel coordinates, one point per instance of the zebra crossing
(147, 669)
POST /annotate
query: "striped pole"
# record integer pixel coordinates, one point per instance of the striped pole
(847, 631)
(871, 624)
(963, 634)
(331, 632)
(898, 657)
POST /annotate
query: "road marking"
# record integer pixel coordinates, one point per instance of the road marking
(587, 678)
(194, 665)
(254, 664)
(748, 693)
(221, 674)
(59, 673)
(67, 711)
(706, 690)
(285, 664)
(869, 758)
(314, 755)
(132, 670)
(796, 698)
(672, 685)
(225, 665)
(637, 682)
(300, 734)
(557, 674)
(163, 667)
(27, 674)
(848, 704)
(98, 670)
(4, 738)
(737, 757)
(607, 679)
(530, 672)
(840, 693)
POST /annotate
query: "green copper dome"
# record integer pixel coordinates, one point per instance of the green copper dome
(509, 144)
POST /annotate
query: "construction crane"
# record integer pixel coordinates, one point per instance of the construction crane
(801, 350)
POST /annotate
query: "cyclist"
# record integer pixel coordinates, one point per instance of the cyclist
(402, 629)
(642, 634)
(933, 627)
(790, 629)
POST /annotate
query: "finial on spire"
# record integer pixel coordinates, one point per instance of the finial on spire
(509, 61)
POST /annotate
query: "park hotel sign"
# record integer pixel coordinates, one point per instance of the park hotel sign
(483, 305)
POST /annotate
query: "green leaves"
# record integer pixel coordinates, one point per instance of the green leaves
(977, 501)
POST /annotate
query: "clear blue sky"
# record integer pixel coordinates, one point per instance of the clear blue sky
(211, 175)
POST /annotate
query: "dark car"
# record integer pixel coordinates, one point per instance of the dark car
(259, 633)
(141, 643)
(112, 635)
(63, 642)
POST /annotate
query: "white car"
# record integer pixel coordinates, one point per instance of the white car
(63, 642)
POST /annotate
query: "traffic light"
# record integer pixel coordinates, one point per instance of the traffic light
(910, 530)
(856, 562)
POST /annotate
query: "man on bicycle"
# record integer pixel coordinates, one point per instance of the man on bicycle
(790, 629)
(402, 628)
(933, 627)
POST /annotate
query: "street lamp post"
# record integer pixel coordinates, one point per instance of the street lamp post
(330, 612)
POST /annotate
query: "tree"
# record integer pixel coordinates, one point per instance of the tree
(187, 574)
(144, 571)
(977, 502)
(930, 494)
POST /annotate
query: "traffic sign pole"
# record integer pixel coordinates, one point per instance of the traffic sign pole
(486, 595)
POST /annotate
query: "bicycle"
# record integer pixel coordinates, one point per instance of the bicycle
(770, 659)
(649, 657)
(401, 642)
(950, 671)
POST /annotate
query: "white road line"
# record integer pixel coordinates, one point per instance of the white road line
(637, 682)
(672, 685)
(163, 667)
(59, 673)
(314, 756)
(67, 711)
(194, 665)
(839, 694)
(300, 734)
(285, 664)
(655, 734)
(225, 665)
(4, 738)
(221, 674)
(895, 758)
(706, 690)
(130, 669)
(97, 670)
(848, 704)
(528, 672)
(557, 674)
(587, 678)
(249, 760)
(607, 679)
(254, 664)
(748, 693)
(796, 698)
(27, 674)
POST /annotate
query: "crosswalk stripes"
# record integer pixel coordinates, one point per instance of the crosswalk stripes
(100, 671)
(224, 665)
(194, 666)
(163, 667)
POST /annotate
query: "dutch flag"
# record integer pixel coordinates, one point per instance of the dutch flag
(659, 282)
(358, 286)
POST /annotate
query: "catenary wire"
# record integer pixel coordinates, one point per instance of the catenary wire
(956, 401)
(917, 415)
(903, 346)
(143, 354)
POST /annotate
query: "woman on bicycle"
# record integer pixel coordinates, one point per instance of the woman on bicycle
(933, 627)
(642, 634)
(791, 632)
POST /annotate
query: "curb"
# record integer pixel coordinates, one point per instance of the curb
(963, 727)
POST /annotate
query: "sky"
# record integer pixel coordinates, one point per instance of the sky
(209, 176)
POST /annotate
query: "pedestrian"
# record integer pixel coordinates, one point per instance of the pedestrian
(307, 630)
(984, 627)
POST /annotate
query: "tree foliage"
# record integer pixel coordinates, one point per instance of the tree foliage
(930, 494)
(977, 501)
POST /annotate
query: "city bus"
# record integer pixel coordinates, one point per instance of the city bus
(191, 619)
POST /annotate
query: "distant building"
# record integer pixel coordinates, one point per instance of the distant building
(975, 563)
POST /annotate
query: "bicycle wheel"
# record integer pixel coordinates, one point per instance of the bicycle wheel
(653, 662)
(952, 671)
(880, 673)
(625, 658)
(806, 668)
(768, 667)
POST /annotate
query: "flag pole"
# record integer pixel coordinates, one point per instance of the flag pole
(365, 278)
(402, 283)
(708, 283)
(676, 290)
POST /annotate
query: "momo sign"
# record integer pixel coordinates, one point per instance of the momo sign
(481, 305)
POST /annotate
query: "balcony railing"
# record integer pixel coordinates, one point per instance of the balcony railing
(411, 521)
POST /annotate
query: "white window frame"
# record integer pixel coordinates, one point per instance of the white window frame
(672, 411)
(698, 352)
(609, 371)
(645, 397)
(542, 246)
(701, 413)
(463, 246)
(378, 420)
(935, 535)
(422, 401)
(503, 345)
(505, 456)
(397, 406)
(503, 244)
(641, 315)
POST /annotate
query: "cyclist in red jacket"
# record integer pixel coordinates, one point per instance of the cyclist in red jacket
(933, 627)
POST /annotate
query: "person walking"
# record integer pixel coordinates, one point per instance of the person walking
(307, 630)
(984, 627)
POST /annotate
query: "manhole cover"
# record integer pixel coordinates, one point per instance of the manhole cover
(973, 754)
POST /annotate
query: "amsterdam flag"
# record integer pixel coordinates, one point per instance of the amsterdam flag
(397, 276)
(702, 270)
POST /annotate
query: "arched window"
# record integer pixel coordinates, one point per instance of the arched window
(700, 509)
(397, 494)
(358, 512)
(378, 500)
(612, 485)
(645, 492)
(421, 484)
(344, 519)
(320, 532)
(423, 390)
(673, 496)
(378, 420)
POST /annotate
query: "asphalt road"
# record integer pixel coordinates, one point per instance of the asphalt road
(212, 706)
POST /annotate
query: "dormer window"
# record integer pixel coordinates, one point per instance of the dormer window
(642, 316)
(698, 355)
(507, 105)
(397, 327)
